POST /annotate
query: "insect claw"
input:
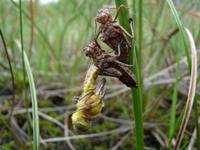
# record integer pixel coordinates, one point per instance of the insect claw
(76, 98)
(102, 87)
(123, 64)
(121, 6)
(119, 9)
(103, 81)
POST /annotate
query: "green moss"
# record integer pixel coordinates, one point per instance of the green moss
(82, 143)
(49, 129)
(53, 114)
(45, 103)
(5, 147)
(5, 134)
(99, 148)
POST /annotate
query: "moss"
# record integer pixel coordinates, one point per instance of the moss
(53, 114)
(100, 127)
(44, 103)
(5, 134)
(49, 129)
(5, 147)
(99, 148)
(82, 143)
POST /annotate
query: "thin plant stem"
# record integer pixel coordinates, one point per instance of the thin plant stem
(136, 92)
(23, 68)
(174, 98)
(196, 113)
(11, 72)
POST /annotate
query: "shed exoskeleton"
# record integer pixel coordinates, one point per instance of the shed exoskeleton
(112, 33)
(109, 64)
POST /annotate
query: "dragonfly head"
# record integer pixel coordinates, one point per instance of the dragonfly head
(104, 16)
(92, 50)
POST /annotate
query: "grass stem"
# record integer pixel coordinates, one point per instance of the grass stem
(136, 92)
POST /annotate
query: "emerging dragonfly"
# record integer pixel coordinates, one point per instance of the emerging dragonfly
(113, 34)
(110, 65)
(90, 103)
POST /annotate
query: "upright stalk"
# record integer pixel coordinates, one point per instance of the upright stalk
(136, 92)
(11, 72)
(23, 67)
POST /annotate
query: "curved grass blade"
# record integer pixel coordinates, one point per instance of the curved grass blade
(36, 130)
(186, 48)
(181, 29)
(191, 92)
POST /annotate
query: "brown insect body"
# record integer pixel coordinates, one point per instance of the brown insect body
(109, 65)
(123, 73)
(112, 34)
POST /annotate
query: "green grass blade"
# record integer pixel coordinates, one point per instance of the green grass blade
(172, 124)
(179, 53)
(23, 67)
(36, 132)
(36, 129)
(181, 29)
(136, 92)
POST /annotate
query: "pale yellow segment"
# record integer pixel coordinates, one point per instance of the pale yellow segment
(90, 80)
(89, 106)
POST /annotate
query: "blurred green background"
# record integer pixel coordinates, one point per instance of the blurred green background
(54, 36)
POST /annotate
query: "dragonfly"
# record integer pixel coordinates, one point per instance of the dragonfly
(90, 103)
(109, 64)
(112, 33)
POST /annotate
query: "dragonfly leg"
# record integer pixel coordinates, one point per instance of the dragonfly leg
(118, 50)
(131, 26)
(123, 64)
(118, 11)
(111, 72)
(118, 55)
(101, 90)
(78, 98)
